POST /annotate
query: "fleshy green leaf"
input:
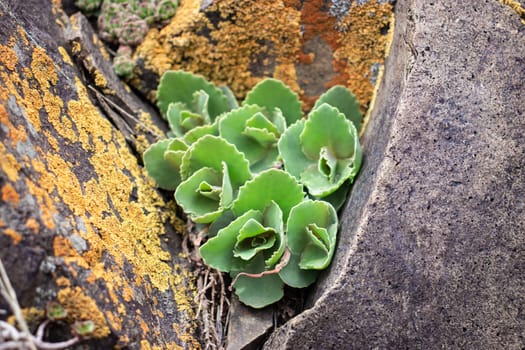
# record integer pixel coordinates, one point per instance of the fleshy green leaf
(174, 152)
(217, 252)
(296, 277)
(271, 94)
(201, 195)
(338, 198)
(322, 152)
(196, 133)
(253, 134)
(258, 292)
(290, 149)
(312, 231)
(165, 172)
(327, 128)
(230, 97)
(179, 86)
(211, 151)
(316, 255)
(253, 237)
(267, 186)
(273, 217)
(200, 105)
(319, 184)
(221, 222)
(341, 98)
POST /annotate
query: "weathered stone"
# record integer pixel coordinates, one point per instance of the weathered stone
(247, 327)
(432, 247)
(80, 222)
(310, 45)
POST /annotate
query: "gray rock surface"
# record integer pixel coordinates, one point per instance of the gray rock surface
(247, 327)
(431, 251)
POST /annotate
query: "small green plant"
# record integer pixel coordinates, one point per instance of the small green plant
(267, 181)
(126, 23)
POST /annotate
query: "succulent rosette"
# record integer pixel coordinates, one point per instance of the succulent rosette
(255, 132)
(254, 243)
(212, 171)
(311, 238)
(188, 101)
(322, 152)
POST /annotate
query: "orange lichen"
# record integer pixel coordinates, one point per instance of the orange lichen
(76, 48)
(22, 35)
(115, 321)
(63, 282)
(65, 55)
(100, 80)
(15, 236)
(47, 208)
(362, 44)
(101, 47)
(81, 307)
(8, 57)
(31, 315)
(10, 195)
(33, 225)
(232, 48)
(9, 164)
(517, 7)
(43, 68)
(62, 247)
(266, 38)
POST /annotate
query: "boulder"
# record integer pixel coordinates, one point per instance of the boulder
(432, 247)
(80, 222)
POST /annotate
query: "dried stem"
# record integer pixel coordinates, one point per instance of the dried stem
(284, 261)
(11, 337)
(8, 293)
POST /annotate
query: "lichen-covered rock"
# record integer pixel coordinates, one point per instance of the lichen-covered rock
(431, 248)
(80, 223)
(310, 45)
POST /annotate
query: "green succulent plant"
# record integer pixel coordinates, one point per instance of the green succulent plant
(162, 162)
(272, 94)
(191, 93)
(255, 132)
(127, 22)
(311, 238)
(255, 241)
(244, 171)
(210, 180)
(123, 63)
(323, 152)
(341, 98)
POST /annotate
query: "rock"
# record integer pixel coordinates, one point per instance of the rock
(80, 222)
(432, 243)
(310, 45)
(247, 328)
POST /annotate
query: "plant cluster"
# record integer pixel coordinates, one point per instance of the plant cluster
(126, 22)
(243, 170)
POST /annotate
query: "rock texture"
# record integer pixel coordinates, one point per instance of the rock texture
(310, 45)
(432, 247)
(80, 223)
